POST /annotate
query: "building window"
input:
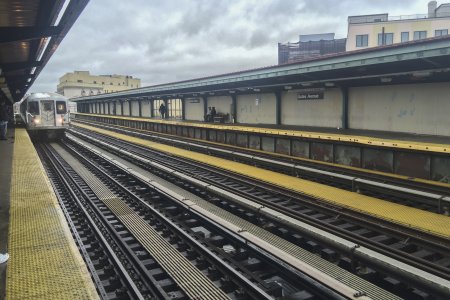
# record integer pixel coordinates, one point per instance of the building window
(79, 80)
(362, 40)
(419, 35)
(95, 81)
(103, 82)
(440, 32)
(388, 39)
(111, 83)
(405, 37)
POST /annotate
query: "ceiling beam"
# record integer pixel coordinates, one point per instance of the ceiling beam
(16, 34)
(20, 65)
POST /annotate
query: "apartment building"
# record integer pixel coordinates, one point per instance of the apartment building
(308, 46)
(82, 83)
(366, 31)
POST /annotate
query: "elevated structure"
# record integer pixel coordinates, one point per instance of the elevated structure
(367, 31)
(397, 88)
(309, 45)
(30, 32)
(81, 83)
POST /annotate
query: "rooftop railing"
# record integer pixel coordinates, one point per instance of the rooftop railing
(386, 18)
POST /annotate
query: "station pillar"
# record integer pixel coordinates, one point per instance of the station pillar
(183, 109)
(166, 104)
(205, 106)
(140, 107)
(152, 111)
(344, 91)
(234, 108)
(278, 107)
(130, 107)
(121, 107)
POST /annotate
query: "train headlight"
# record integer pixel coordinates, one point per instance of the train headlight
(36, 121)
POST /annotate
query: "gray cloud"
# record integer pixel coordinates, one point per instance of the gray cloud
(164, 41)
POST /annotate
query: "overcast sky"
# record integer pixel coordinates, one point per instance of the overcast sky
(171, 40)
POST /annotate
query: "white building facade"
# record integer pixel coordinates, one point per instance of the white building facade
(82, 83)
(367, 31)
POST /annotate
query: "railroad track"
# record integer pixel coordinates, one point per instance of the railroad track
(141, 218)
(416, 193)
(410, 250)
(94, 242)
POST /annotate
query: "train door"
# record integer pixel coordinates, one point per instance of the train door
(47, 112)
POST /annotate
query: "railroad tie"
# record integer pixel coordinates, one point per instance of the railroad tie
(193, 282)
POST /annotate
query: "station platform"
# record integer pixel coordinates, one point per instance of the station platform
(421, 220)
(370, 137)
(413, 156)
(44, 260)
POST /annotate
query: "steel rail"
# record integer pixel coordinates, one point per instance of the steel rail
(388, 252)
(57, 167)
(189, 207)
(435, 197)
(153, 286)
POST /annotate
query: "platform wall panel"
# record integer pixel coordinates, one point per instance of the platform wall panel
(194, 111)
(268, 144)
(440, 168)
(118, 108)
(283, 146)
(126, 109)
(256, 108)
(221, 103)
(347, 155)
(326, 112)
(412, 164)
(255, 142)
(419, 108)
(146, 109)
(135, 108)
(300, 148)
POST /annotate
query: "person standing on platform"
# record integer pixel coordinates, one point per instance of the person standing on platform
(213, 113)
(208, 115)
(162, 111)
(4, 117)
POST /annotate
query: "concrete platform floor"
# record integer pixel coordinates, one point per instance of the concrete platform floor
(6, 153)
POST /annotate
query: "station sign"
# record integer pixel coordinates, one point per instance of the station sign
(194, 100)
(311, 94)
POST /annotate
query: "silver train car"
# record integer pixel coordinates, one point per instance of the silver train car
(46, 115)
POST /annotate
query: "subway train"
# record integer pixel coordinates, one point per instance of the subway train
(45, 115)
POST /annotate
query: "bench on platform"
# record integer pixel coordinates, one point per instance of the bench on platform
(221, 118)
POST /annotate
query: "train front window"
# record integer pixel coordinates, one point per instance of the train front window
(47, 106)
(33, 108)
(61, 107)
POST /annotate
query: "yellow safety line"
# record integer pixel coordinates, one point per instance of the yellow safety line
(411, 217)
(44, 260)
(365, 140)
(302, 159)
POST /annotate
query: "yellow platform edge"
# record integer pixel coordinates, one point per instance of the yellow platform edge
(421, 220)
(44, 260)
(295, 159)
(364, 140)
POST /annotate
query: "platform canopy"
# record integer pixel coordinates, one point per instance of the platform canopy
(30, 32)
(420, 61)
